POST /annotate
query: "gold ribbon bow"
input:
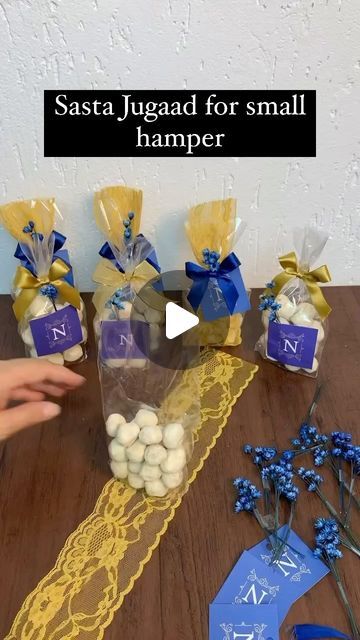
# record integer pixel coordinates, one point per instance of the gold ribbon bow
(292, 270)
(112, 279)
(29, 285)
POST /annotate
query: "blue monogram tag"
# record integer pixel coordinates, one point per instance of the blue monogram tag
(122, 339)
(57, 331)
(292, 345)
(253, 622)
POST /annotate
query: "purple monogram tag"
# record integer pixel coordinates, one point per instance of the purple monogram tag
(117, 339)
(57, 331)
(293, 345)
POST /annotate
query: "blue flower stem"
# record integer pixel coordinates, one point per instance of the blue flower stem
(266, 487)
(283, 544)
(351, 489)
(332, 466)
(341, 487)
(354, 542)
(354, 626)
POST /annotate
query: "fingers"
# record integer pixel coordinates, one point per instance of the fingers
(28, 395)
(31, 371)
(26, 415)
(49, 389)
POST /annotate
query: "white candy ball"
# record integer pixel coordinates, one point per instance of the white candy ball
(314, 367)
(175, 461)
(136, 363)
(265, 318)
(27, 337)
(155, 454)
(156, 489)
(117, 452)
(173, 435)
(115, 363)
(304, 314)
(127, 433)
(150, 472)
(113, 422)
(119, 469)
(153, 316)
(283, 320)
(287, 308)
(73, 354)
(84, 333)
(146, 418)
(135, 467)
(291, 368)
(136, 452)
(140, 305)
(172, 480)
(39, 306)
(135, 481)
(54, 358)
(124, 313)
(320, 329)
(151, 435)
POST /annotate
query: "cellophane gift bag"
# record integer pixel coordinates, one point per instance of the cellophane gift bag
(294, 309)
(217, 293)
(150, 410)
(47, 305)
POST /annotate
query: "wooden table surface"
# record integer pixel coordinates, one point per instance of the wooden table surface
(51, 476)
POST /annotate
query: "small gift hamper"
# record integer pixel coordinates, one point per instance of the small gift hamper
(47, 305)
(149, 411)
(294, 309)
(217, 292)
(128, 261)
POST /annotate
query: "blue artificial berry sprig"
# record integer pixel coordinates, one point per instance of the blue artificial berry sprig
(30, 228)
(268, 302)
(211, 259)
(127, 225)
(247, 496)
(117, 300)
(327, 549)
(311, 478)
(51, 292)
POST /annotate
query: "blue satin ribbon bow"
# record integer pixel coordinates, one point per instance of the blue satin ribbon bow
(201, 276)
(107, 253)
(313, 631)
(59, 241)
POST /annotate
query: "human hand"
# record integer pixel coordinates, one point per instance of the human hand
(29, 380)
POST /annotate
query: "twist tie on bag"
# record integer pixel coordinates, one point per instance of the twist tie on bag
(112, 279)
(201, 275)
(292, 269)
(312, 631)
(30, 284)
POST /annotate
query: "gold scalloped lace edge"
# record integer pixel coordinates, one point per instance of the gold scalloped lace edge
(107, 553)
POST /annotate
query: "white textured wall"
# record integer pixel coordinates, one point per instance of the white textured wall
(195, 44)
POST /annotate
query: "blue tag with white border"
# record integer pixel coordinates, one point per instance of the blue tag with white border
(291, 344)
(251, 622)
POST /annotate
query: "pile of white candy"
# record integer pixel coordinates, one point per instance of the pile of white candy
(303, 314)
(149, 455)
(42, 306)
(140, 312)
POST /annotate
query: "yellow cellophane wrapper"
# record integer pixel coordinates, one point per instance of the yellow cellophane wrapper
(111, 207)
(213, 225)
(16, 215)
(106, 554)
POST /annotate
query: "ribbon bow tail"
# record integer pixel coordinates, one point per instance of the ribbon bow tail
(200, 278)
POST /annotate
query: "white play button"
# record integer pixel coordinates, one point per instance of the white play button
(178, 320)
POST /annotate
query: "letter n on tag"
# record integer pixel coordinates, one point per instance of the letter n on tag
(291, 344)
(57, 331)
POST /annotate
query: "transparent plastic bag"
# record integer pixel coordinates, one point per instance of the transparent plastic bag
(51, 315)
(151, 414)
(213, 229)
(128, 262)
(294, 310)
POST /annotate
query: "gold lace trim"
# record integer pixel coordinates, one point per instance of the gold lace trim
(104, 556)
